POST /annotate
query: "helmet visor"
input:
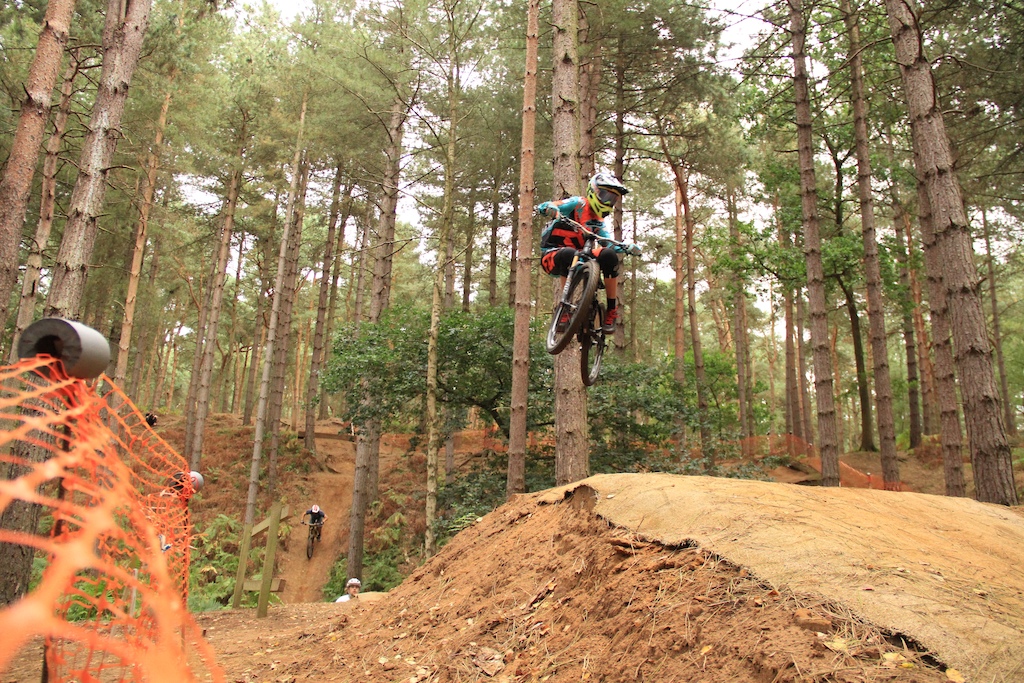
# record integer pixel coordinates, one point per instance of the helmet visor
(607, 197)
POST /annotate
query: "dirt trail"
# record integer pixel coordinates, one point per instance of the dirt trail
(331, 489)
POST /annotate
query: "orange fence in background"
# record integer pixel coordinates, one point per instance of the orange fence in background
(109, 493)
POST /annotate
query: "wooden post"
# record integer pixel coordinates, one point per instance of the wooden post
(243, 557)
(268, 560)
(249, 532)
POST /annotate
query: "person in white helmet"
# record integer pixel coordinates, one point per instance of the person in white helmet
(316, 518)
(351, 590)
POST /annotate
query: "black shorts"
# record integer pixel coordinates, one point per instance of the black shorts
(557, 262)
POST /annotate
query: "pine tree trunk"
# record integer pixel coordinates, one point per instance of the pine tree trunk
(492, 263)
(122, 45)
(322, 310)
(950, 434)
(997, 334)
(467, 263)
(237, 376)
(523, 242)
(872, 268)
(20, 167)
(262, 410)
(991, 457)
(678, 268)
(827, 444)
(707, 448)
(332, 305)
(259, 333)
(368, 444)
(901, 221)
(435, 431)
(590, 83)
(216, 299)
(867, 441)
(739, 336)
(794, 418)
(285, 328)
(930, 401)
(571, 443)
(47, 191)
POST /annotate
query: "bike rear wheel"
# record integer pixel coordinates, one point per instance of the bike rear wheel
(575, 302)
(592, 345)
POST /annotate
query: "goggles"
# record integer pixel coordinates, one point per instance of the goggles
(608, 197)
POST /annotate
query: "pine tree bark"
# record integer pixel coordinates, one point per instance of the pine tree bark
(900, 222)
(216, 301)
(139, 245)
(47, 191)
(997, 333)
(867, 441)
(260, 423)
(332, 305)
(571, 439)
(516, 479)
(827, 444)
(930, 409)
(872, 268)
(678, 267)
(123, 35)
(950, 434)
(20, 167)
(368, 439)
(801, 356)
(707, 448)
(739, 332)
(322, 310)
(285, 330)
(794, 417)
(991, 457)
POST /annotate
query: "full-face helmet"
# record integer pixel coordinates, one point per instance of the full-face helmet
(603, 191)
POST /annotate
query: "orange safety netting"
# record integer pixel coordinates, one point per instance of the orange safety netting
(109, 492)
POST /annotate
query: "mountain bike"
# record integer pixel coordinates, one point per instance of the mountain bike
(314, 536)
(578, 312)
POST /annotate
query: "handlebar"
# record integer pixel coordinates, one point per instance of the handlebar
(631, 249)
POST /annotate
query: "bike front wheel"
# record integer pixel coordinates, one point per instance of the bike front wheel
(309, 545)
(574, 306)
(592, 345)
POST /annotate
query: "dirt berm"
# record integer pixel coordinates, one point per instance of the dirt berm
(948, 572)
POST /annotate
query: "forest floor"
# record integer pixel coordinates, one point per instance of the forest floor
(640, 577)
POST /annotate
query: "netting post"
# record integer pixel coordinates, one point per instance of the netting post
(268, 560)
(85, 354)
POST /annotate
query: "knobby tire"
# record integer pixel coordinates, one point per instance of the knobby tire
(309, 544)
(583, 281)
(592, 345)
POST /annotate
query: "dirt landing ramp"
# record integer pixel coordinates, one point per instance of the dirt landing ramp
(947, 572)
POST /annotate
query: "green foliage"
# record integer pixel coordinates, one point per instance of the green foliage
(471, 495)
(215, 564)
(387, 361)
(387, 550)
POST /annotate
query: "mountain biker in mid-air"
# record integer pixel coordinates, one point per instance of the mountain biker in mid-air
(559, 242)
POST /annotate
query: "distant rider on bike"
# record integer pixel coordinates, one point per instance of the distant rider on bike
(316, 517)
(559, 242)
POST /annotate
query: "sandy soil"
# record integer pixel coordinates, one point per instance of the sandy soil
(664, 578)
(554, 587)
(653, 578)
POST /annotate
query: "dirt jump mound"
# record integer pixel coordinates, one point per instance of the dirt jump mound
(666, 578)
